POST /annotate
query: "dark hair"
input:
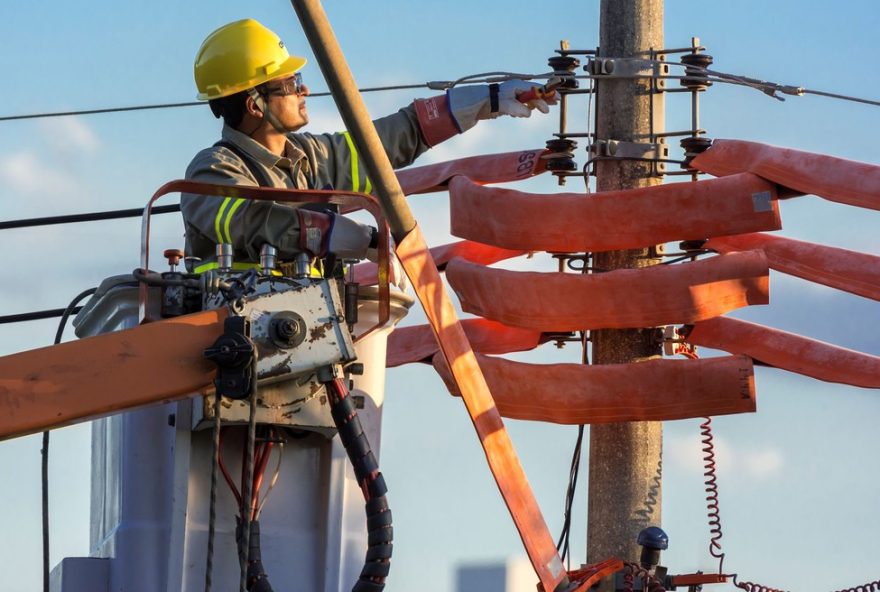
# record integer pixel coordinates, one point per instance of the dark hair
(231, 108)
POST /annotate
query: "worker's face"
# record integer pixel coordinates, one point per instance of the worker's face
(287, 100)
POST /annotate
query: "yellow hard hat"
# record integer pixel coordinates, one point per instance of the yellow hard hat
(239, 56)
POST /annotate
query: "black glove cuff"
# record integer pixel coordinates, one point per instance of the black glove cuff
(493, 97)
(374, 238)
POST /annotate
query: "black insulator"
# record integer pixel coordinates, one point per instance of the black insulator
(695, 77)
(693, 146)
(563, 63)
(561, 145)
(561, 164)
(692, 245)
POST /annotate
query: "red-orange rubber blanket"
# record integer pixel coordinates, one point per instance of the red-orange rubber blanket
(655, 390)
(571, 223)
(418, 344)
(836, 179)
(489, 168)
(626, 298)
(857, 273)
(788, 351)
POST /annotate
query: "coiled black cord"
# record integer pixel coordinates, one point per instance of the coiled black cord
(380, 533)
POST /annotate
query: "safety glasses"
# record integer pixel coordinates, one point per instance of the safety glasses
(288, 86)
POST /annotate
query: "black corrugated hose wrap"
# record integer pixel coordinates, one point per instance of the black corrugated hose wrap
(366, 469)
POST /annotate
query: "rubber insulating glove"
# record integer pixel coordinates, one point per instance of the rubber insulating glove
(326, 232)
(470, 104)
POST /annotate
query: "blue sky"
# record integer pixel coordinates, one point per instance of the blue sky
(798, 479)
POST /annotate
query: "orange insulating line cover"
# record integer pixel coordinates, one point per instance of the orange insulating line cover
(489, 168)
(418, 344)
(836, 179)
(573, 222)
(788, 351)
(367, 274)
(497, 446)
(96, 376)
(655, 390)
(626, 298)
(857, 273)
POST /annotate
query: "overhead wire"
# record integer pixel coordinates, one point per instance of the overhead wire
(767, 87)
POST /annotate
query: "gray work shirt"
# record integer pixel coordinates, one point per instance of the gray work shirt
(321, 161)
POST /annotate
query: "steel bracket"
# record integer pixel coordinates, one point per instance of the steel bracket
(629, 68)
(619, 149)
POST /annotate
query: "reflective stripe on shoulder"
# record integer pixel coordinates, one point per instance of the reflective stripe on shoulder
(355, 173)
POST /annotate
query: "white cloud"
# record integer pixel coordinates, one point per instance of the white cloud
(69, 135)
(28, 173)
(686, 453)
(763, 463)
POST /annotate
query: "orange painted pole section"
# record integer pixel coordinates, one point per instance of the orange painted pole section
(655, 390)
(624, 298)
(788, 351)
(836, 179)
(89, 378)
(632, 218)
(850, 271)
(500, 454)
(420, 268)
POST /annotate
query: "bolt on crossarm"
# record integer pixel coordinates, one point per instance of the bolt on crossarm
(625, 458)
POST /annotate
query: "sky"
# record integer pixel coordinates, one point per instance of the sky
(798, 479)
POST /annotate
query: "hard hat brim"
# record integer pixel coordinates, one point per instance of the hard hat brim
(288, 67)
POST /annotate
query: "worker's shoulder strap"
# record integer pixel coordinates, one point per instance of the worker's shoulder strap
(258, 173)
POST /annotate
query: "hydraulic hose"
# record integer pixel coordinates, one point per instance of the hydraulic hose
(366, 469)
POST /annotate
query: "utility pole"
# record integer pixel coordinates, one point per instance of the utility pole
(625, 458)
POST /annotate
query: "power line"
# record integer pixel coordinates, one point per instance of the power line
(768, 88)
(175, 105)
(88, 217)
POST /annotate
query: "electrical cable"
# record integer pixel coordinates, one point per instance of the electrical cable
(212, 507)
(44, 451)
(87, 217)
(247, 486)
(769, 88)
(36, 315)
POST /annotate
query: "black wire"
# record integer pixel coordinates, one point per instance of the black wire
(562, 544)
(35, 316)
(44, 451)
(174, 105)
(87, 217)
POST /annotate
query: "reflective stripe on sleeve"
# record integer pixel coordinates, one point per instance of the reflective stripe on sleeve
(219, 218)
(234, 207)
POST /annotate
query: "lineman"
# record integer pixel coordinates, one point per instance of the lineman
(250, 80)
